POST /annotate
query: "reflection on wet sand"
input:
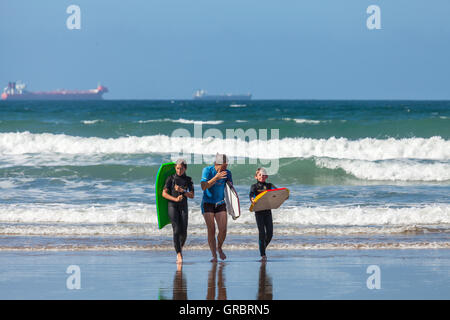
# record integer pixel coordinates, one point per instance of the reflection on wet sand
(222, 290)
(179, 284)
(265, 284)
(265, 291)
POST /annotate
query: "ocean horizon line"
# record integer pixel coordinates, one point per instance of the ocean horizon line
(253, 100)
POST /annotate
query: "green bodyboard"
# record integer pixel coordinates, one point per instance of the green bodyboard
(166, 170)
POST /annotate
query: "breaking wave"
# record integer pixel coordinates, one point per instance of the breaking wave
(435, 148)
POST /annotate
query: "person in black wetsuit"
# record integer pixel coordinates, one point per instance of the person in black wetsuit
(264, 217)
(177, 189)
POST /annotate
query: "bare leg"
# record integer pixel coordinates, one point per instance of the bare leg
(209, 220)
(221, 218)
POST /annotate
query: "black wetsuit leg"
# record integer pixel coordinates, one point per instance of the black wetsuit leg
(265, 228)
(268, 223)
(178, 216)
(183, 224)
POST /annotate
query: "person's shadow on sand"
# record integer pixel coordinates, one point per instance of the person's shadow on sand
(264, 284)
(222, 290)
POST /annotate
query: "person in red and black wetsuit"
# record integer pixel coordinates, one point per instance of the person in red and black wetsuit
(264, 217)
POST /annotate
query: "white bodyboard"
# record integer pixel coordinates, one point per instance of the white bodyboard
(232, 201)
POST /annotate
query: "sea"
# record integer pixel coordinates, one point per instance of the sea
(80, 175)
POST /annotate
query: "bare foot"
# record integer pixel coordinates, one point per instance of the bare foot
(179, 258)
(221, 254)
(263, 259)
(214, 260)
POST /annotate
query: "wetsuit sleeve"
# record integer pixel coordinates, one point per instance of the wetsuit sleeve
(205, 175)
(168, 184)
(272, 186)
(252, 191)
(190, 185)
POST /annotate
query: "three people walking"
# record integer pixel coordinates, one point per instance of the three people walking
(179, 187)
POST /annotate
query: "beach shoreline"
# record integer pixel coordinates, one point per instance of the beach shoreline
(288, 275)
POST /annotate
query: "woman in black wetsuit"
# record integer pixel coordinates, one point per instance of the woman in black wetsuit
(177, 189)
(264, 217)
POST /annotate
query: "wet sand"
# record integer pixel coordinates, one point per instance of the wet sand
(293, 274)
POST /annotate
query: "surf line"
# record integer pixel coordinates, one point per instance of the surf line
(190, 310)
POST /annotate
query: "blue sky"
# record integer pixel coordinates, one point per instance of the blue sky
(166, 49)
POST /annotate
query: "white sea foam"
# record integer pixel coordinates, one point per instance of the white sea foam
(309, 121)
(151, 229)
(7, 184)
(185, 121)
(244, 246)
(64, 159)
(63, 213)
(391, 170)
(366, 216)
(91, 121)
(290, 217)
(435, 148)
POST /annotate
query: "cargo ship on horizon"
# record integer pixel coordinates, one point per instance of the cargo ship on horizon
(203, 95)
(16, 91)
